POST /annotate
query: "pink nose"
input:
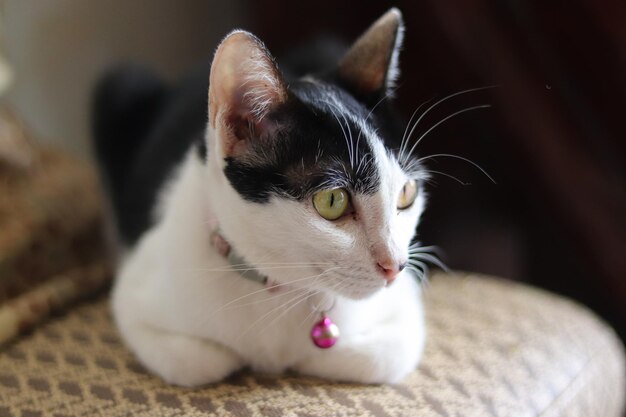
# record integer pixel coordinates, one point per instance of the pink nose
(390, 269)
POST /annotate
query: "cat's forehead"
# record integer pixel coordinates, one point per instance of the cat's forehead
(328, 140)
(329, 98)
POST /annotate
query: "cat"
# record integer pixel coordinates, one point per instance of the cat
(254, 207)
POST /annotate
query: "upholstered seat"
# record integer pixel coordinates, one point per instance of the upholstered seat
(495, 348)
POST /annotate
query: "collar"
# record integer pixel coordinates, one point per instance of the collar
(238, 263)
(324, 333)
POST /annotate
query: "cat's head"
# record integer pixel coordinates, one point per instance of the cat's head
(307, 180)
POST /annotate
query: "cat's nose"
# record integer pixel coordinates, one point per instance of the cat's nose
(390, 268)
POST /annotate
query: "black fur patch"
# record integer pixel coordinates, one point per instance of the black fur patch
(309, 152)
(138, 156)
(319, 145)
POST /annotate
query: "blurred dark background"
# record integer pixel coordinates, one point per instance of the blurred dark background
(554, 139)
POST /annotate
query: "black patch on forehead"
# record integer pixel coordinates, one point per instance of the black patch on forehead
(317, 146)
(389, 125)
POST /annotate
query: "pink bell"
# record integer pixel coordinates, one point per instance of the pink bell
(325, 333)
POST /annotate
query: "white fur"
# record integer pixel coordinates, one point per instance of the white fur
(393, 73)
(192, 320)
(242, 66)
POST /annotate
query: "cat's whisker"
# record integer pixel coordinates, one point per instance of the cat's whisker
(419, 275)
(433, 250)
(336, 288)
(361, 161)
(311, 313)
(445, 119)
(265, 289)
(448, 97)
(286, 307)
(320, 276)
(432, 259)
(447, 155)
(404, 140)
(388, 94)
(273, 310)
(285, 311)
(351, 148)
(423, 274)
(426, 253)
(449, 176)
(282, 264)
(278, 294)
(358, 141)
(426, 248)
(354, 150)
(348, 143)
(266, 264)
(436, 253)
(247, 267)
(419, 268)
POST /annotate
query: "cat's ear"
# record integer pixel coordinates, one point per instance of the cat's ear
(245, 85)
(370, 67)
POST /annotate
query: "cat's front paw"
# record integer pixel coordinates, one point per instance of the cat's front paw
(180, 359)
(191, 362)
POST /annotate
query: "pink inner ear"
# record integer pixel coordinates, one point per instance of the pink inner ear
(245, 83)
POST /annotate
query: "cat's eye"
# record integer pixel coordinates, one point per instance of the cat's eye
(331, 204)
(407, 195)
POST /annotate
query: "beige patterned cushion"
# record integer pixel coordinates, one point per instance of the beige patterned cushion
(52, 246)
(495, 348)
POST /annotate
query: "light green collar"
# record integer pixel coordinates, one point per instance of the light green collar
(245, 270)
(237, 262)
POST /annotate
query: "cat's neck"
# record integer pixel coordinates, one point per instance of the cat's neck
(190, 215)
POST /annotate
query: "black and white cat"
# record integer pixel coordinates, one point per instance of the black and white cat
(303, 183)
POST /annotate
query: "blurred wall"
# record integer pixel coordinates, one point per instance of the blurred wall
(59, 48)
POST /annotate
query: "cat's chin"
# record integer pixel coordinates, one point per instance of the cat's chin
(358, 294)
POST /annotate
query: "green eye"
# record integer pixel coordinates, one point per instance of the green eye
(407, 195)
(331, 204)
